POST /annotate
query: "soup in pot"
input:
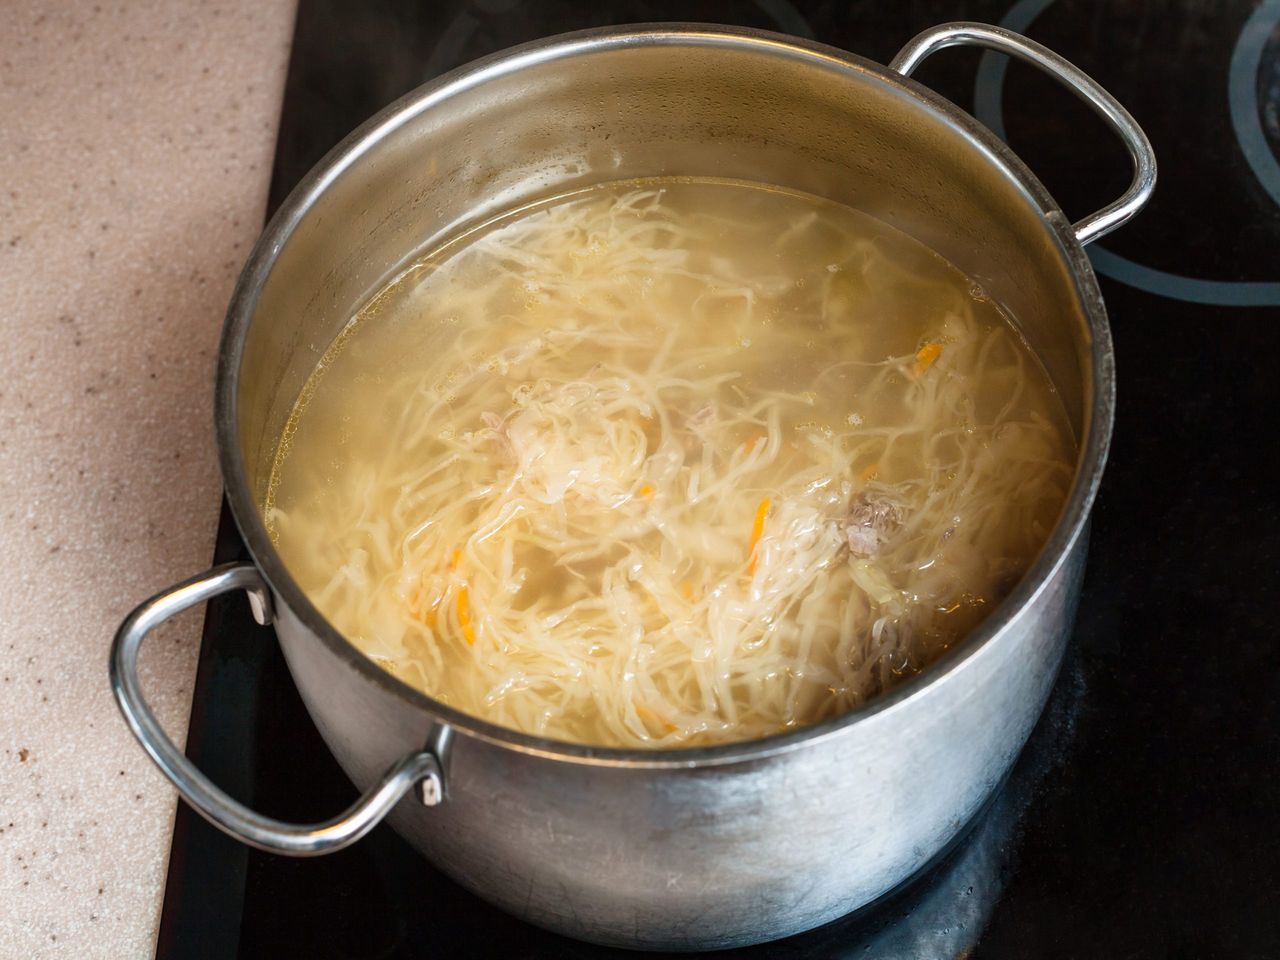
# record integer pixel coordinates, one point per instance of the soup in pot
(669, 463)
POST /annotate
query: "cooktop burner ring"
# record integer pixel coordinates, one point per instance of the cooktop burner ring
(1246, 117)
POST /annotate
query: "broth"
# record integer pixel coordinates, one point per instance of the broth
(669, 463)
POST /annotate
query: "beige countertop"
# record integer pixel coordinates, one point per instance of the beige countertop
(135, 148)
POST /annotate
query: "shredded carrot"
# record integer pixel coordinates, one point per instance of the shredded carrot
(869, 472)
(455, 560)
(464, 614)
(749, 444)
(757, 530)
(427, 615)
(646, 491)
(653, 717)
(925, 357)
(416, 602)
(686, 589)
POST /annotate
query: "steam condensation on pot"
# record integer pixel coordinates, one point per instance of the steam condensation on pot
(669, 463)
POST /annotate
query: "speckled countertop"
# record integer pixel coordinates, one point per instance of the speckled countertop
(135, 149)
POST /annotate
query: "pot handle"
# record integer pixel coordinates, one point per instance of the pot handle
(212, 803)
(963, 33)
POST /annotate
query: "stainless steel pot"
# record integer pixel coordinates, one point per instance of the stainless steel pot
(685, 849)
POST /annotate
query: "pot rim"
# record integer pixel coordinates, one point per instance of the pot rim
(1098, 419)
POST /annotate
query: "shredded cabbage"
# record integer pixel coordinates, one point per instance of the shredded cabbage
(669, 464)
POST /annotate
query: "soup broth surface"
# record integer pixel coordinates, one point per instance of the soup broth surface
(669, 463)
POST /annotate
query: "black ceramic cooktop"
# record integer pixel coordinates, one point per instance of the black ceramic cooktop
(1143, 820)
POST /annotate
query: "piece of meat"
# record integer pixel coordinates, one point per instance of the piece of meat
(873, 518)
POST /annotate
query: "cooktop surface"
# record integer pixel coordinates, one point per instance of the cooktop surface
(1143, 819)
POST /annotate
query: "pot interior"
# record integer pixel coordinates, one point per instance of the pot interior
(566, 114)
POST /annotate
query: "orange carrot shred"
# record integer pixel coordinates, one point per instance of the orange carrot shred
(652, 716)
(925, 357)
(749, 444)
(869, 472)
(464, 614)
(455, 560)
(647, 490)
(757, 530)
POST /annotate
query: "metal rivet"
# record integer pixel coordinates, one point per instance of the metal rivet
(260, 605)
(430, 790)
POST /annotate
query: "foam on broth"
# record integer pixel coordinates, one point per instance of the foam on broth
(669, 463)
